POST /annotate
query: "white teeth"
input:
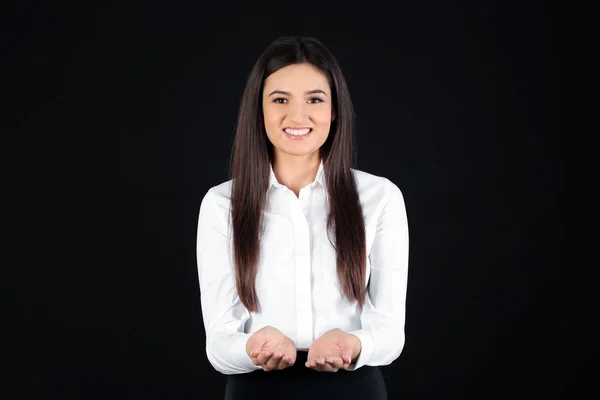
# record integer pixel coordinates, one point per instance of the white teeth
(298, 132)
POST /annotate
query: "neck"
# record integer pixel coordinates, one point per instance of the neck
(296, 172)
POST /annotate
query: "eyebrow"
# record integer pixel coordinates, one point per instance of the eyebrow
(314, 91)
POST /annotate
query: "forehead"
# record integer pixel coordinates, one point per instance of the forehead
(298, 77)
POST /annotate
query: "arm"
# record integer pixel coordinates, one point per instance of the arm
(223, 314)
(383, 316)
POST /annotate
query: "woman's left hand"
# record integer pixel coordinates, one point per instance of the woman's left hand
(335, 349)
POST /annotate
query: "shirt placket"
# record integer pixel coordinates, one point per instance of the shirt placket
(302, 272)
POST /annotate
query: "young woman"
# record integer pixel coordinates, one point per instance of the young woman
(302, 259)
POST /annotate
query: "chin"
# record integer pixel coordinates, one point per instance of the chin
(298, 152)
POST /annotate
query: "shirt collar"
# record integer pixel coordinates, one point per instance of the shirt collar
(320, 178)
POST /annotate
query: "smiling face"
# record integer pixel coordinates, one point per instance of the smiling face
(297, 110)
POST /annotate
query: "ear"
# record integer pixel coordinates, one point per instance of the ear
(333, 115)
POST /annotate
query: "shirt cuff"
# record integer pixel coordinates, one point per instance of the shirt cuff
(239, 355)
(366, 351)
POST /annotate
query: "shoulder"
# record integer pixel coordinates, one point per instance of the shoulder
(377, 194)
(371, 184)
(220, 194)
(215, 205)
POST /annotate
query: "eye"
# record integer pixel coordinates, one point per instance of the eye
(315, 100)
(280, 100)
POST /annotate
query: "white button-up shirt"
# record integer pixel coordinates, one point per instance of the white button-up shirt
(296, 283)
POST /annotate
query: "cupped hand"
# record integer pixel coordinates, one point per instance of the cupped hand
(271, 349)
(334, 350)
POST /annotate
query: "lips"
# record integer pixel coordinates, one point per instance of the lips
(297, 134)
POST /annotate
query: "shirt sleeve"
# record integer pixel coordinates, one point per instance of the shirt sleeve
(223, 313)
(383, 316)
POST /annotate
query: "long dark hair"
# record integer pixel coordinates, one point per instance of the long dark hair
(252, 156)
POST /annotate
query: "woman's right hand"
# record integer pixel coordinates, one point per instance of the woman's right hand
(271, 349)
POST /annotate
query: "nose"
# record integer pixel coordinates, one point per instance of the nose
(298, 113)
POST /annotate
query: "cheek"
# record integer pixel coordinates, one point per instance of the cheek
(271, 117)
(322, 118)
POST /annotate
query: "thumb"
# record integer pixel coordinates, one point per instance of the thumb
(256, 349)
(347, 355)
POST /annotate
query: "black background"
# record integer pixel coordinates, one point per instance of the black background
(124, 117)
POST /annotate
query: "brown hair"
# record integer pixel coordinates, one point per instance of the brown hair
(252, 156)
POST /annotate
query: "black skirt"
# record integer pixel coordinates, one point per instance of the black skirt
(300, 382)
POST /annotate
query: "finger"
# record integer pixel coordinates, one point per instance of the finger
(274, 361)
(316, 363)
(257, 360)
(284, 363)
(335, 362)
(310, 361)
(255, 351)
(292, 360)
(312, 365)
(325, 367)
(263, 357)
(347, 356)
(319, 364)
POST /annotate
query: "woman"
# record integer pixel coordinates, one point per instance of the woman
(302, 260)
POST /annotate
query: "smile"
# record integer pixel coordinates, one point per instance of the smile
(297, 134)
